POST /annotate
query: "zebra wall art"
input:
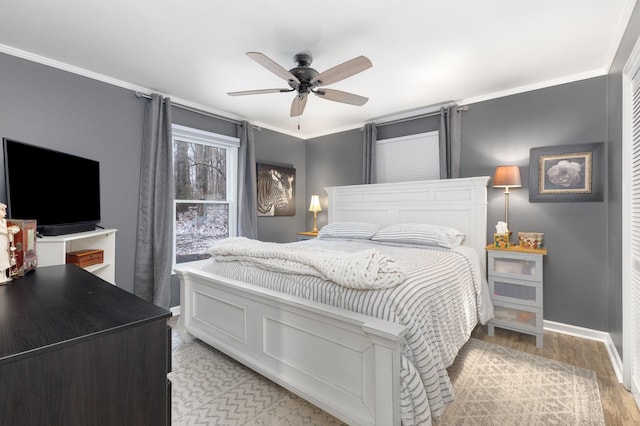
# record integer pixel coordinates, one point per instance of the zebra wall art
(276, 190)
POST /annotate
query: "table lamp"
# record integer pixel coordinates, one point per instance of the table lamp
(507, 177)
(315, 208)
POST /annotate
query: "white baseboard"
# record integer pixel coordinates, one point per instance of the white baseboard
(586, 333)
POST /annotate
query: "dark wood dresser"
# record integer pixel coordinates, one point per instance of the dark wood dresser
(76, 350)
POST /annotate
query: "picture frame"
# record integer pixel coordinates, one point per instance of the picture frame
(276, 190)
(567, 173)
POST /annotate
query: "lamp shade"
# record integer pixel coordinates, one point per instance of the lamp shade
(507, 177)
(315, 204)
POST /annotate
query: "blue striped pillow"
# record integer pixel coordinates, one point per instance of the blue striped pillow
(349, 230)
(420, 233)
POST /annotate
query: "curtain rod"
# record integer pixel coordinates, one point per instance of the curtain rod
(417, 117)
(192, 109)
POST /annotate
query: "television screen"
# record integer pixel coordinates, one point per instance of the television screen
(60, 191)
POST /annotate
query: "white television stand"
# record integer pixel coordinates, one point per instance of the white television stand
(53, 250)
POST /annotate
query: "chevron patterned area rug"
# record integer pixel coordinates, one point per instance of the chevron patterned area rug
(209, 388)
(493, 386)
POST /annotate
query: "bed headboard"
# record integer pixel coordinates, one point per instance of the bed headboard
(459, 203)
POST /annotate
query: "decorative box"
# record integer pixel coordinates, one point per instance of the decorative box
(530, 240)
(501, 240)
(86, 257)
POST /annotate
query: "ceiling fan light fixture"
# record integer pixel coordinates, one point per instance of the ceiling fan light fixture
(304, 80)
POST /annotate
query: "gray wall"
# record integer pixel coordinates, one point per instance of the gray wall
(408, 127)
(59, 110)
(279, 149)
(502, 131)
(63, 111)
(203, 122)
(331, 161)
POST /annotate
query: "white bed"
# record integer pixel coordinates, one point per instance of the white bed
(345, 362)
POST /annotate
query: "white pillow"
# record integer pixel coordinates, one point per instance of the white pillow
(420, 233)
(353, 230)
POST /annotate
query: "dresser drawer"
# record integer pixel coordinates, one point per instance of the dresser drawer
(517, 317)
(528, 293)
(519, 266)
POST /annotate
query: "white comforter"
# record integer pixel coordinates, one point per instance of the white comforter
(441, 299)
(364, 269)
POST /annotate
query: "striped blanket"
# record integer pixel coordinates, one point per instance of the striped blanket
(440, 301)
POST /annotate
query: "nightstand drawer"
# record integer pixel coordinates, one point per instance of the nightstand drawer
(515, 265)
(517, 317)
(527, 293)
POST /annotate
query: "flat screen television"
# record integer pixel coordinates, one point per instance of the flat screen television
(59, 190)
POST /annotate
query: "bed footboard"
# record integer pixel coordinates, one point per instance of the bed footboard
(345, 363)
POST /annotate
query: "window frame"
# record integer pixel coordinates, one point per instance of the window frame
(231, 145)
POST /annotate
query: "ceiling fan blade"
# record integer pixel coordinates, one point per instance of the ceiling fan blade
(258, 92)
(298, 104)
(340, 96)
(342, 71)
(272, 66)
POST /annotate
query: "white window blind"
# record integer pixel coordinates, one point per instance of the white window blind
(634, 304)
(408, 158)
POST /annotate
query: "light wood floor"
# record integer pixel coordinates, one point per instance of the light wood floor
(617, 403)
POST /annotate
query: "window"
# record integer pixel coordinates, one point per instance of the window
(407, 158)
(205, 179)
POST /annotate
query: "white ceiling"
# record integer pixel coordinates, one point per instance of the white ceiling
(424, 52)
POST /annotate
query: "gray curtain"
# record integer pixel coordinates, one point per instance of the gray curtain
(369, 149)
(247, 191)
(155, 228)
(450, 141)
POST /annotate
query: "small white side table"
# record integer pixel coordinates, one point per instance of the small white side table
(516, 282)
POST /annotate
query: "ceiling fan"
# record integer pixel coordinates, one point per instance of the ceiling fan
(304, 80)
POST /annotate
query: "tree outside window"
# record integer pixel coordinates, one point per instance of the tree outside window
(205, 188)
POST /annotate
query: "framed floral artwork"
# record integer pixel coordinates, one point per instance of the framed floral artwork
(567, 173)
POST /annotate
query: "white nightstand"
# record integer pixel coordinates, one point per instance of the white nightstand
(515, 281)
(307, 235)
